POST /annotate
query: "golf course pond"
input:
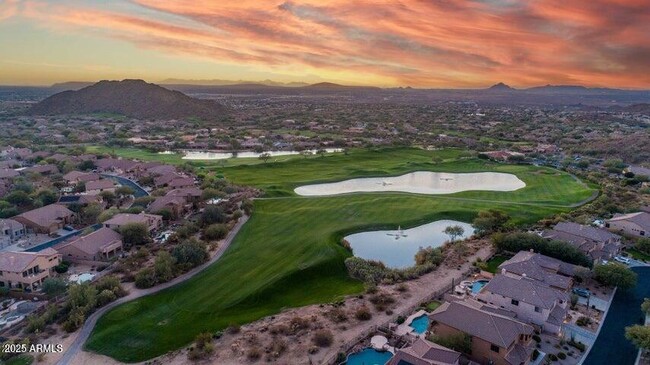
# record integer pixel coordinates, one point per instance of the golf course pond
(210, 155)
(419, 182)
(397, 248)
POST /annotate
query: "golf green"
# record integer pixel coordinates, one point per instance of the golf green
(287, 254)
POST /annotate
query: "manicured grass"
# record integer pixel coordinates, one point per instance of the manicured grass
(288, 255)
(136, 153)
(494, 262)
(432, 305)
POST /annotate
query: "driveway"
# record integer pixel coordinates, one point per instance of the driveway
(598, 303)
(88, 326)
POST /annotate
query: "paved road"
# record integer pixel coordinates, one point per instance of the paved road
(88, 326)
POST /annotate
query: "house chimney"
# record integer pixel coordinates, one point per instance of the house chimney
(503, 271)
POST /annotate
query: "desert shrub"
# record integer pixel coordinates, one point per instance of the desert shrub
(323, 338)
(583, 321)
(145, 278)
(363, 314)
(215, 232)
(337, 315)
(561, 355)
(254, 354)
(190, 254)
(578, 345)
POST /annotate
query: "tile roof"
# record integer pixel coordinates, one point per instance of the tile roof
(640, 218)
(525, 290)
(494, 328)
(95, 242)
(20, 261)
(592, 233)
(423, 352)
(47, 215)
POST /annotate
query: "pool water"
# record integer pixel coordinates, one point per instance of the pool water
(420, 324)
(369, 357)
(478, 285)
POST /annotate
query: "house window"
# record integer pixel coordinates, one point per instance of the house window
(642, 233)
(538, 309)
(494, 348)
(514, 302)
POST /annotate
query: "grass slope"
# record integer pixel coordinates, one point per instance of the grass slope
(288, 255)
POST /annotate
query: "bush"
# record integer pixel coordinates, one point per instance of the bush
(400, 319)
(215, 232)
(363, 314)
(323, 338)
(134, 234)
(62, 268)
(213, 214)
(552, 357)
(583, 321)
(578, 345)
(535, 355)
(537, 338)
(561, 355)
(458, 342)
(145, 278)
(190, 254)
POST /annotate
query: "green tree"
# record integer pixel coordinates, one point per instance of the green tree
(190, 254)
(54, 286)
(90, 213)
(215, 232)
(124, 191)
(212, 214)
(265, 156)
(643, 245)
(19, 198)
(145, 278)
(164, 266)
(615, 274)
(47, 197)
(134, 234)
(645, 306)
(454, 232)
(639, 336)
(489, 221)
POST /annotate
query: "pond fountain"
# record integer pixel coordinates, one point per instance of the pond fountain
(419, 182)
(397, 249)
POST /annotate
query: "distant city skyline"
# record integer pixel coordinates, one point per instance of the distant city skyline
(433, 44)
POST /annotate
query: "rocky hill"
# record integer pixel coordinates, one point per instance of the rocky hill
(131, 98)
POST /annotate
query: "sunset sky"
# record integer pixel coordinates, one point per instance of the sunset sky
(419, 43)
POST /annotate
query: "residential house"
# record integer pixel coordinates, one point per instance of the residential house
(163, 180)
(191, 194)
(100, 245)
(42, 169)
(176, 205)
(75, 177)
(47, 219)
(597, 243)
(10, 231)
(632, 224)
(81, 199)
(181, 182)
(496, 338)
(27, 270)
(96, 187)
(154, 222)
(557, 274)
(639, 170)
(532, 301)
(423, 352)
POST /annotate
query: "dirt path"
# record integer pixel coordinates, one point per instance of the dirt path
(88, 326)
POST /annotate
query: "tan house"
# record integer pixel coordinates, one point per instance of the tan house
(496, 338)
(47, 219)
(597, 243)
(27, 270)
(153, 221)
(557, 274)
(101, 245)
(633, 224)
(98, 186)
(10, 231)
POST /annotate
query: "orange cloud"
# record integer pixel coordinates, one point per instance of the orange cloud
(462, 43)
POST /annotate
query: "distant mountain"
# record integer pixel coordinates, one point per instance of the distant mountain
(131, 98)
(336, 87)
(70, 85)
(500, 87)
(218, 82)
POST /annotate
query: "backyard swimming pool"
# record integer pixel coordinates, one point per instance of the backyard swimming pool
(369, 356)
(478, 285)
(421, 324)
